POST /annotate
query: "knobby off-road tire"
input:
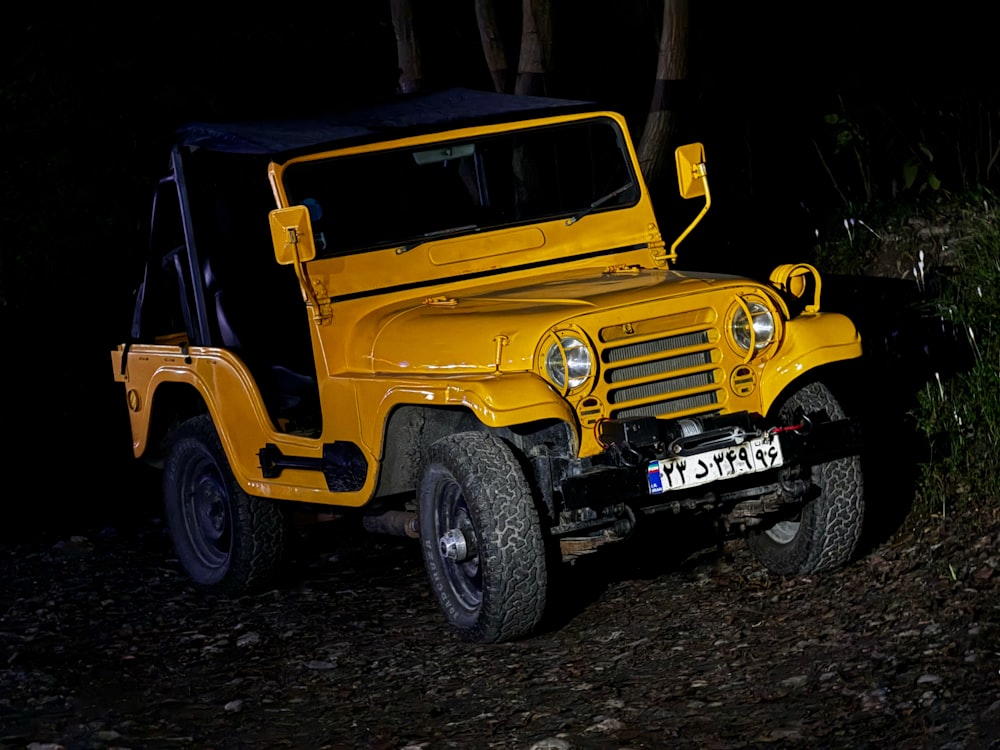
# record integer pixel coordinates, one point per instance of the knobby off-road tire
(226, 540)
(495, 589)
(826, 531)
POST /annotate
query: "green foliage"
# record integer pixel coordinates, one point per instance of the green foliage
(960, 414)
(851, 144)
(849, 249)
(876, 153)
(917, 171)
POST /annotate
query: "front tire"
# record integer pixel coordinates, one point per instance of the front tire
(481, 538)
(825, 532)
(226, 540)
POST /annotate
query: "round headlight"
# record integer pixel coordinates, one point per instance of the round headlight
(568, 362)
(761, 323)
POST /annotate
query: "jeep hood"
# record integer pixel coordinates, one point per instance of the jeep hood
(460, 334)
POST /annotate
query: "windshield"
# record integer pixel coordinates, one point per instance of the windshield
(404, 197)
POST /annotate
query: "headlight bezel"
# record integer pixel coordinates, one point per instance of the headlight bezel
(753, 325)
(567, 360)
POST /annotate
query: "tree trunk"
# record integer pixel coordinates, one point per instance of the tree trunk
(671, 71)
(493, 46)
(536, 47)
(407, 48)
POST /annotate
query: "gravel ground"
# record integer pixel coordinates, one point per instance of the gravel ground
(104, 644)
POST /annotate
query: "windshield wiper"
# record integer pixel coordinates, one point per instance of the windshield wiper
(598, 203)
(437, 233)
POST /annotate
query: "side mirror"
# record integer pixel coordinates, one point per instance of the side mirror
(291, 233)
(691, 173)
(692, 179)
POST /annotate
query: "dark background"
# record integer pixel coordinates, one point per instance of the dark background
(90, 100)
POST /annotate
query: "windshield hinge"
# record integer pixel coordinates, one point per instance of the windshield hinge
(323, 312)
(441, 301)
(657, 247)
(622, 270)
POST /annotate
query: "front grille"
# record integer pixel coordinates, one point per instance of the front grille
(662, 375)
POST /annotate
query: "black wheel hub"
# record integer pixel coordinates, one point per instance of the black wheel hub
(205, 512)
(459, 546)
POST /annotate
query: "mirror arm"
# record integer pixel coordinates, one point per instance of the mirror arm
(703, 176)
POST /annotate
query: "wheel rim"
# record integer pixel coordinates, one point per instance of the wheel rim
(783, 532)
(462, 570)
(205, 513)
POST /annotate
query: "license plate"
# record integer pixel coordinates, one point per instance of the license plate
(759, 454)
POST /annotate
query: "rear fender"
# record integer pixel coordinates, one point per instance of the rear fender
(232, 399)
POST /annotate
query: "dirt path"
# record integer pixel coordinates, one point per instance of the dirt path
(103, 644)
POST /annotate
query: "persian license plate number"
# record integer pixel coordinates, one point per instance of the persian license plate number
(759, 454)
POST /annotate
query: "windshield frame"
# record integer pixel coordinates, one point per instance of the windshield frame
(620, 187)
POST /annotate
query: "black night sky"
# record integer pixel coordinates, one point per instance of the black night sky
(90, 99)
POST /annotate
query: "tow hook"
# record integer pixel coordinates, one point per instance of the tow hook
(791, 483)
(802, 428)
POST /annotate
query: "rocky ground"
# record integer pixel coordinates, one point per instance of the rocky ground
(104, 644)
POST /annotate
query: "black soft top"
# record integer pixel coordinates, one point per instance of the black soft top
(402, 115)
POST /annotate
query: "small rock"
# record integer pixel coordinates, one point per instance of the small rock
(75, 545)
(928, 679)
(248, 639)
(780, 733)
(234, 706)
(107, 735)
(45, 746)
(797, 681)
(874, 700)
(605, 726)
(321, 665)
(993, 712)
(551, 743)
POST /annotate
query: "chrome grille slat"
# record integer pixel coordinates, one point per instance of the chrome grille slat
(660, 387)
(656, 346)
(699, 401)
(659, 367)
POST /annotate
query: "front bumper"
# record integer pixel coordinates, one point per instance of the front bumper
(652, 461)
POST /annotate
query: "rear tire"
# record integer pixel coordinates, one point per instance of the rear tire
(226, 540)
(825, 533)
(481, 539)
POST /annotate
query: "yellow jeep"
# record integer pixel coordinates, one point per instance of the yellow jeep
(456, 315)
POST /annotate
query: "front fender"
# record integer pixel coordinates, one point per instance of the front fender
(810, 341)
(497, 400)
